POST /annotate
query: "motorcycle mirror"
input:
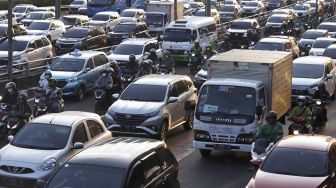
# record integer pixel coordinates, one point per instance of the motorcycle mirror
(10, 138)
(256, 163)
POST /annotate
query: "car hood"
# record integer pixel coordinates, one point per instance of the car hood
(4, 54)
(135, 107)
(274, 24)
(69, 40)
(61, 75)
(307, 41)
(12, 153)
(36, 32)
(237, 30)
(300, 11)
(95, 22)
(304, 83)
(118, 57)
(265, 179)
(317, 51)
(249, 8)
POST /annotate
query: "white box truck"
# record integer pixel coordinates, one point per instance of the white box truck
(242, 86)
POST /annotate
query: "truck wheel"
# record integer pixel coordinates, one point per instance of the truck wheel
(188, 125)
(205, 153)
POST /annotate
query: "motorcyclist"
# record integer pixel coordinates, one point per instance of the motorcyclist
(272, 130)
(54, 95)
(167, 62)
(11, 94)
(322, 94)
(22, 109)
(105, 82)
(116, 69)
(301, 112)
(145, 69)
(209, 52)
(132, 67)
(330, 10)
(116, 74)
(311, 22)
(153, 56)
(196, 49)
(44, 82)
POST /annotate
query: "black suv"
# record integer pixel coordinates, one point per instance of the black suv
(122, 162)
(242, 32)
(82, 38)
(127, 30)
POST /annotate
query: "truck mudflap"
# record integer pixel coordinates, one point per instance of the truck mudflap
(222, 146)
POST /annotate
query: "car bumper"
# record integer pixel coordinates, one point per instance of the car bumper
(70, 89)
(221, 146)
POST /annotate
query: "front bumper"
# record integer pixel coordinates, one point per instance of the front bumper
(221, 146)
(70, 88)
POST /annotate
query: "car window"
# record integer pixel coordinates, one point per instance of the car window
(262, 97)
(95, 128)
(182, 87)
(89, 64)
(147, 48)
(32, 45)
(97, 60)
(39, 43)
(80, 134)
(137, 178)
(167, 159)
(151, 166)
(46, 42)
(104, 59)
(174, 91)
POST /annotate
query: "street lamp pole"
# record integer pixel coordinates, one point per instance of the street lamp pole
(10, 39)
(57, 9)
(317, 13)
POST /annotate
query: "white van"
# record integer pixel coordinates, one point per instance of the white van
(179, 36)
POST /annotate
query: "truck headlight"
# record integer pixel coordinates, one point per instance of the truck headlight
(47, 165)
(201, 135)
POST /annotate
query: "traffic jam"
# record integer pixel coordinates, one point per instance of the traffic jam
(253, 82)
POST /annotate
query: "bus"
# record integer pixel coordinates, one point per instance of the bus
(95, 6)
(179, 36)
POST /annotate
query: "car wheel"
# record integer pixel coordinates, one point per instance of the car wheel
(205, 153)
(80, 93)
(188, 125)
(163, 131)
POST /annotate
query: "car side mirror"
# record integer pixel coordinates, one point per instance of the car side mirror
(78, 145)
(40, 184)
(172, 100)
(10, 138)
(87, 69)
(329, 76)
(256, 163)
(30, 49)
(147, 53)
(115, 96)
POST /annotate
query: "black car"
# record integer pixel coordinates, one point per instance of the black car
(82, 38)
(242, 32)
(127, 30)
(120, 162)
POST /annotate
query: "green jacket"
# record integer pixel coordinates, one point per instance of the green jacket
(269, 131)
(301, 111)
(196, 50)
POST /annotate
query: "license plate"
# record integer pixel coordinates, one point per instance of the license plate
(222, 147)
(308, 46)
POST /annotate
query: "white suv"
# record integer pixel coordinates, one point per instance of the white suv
(52, 29)
(107, 20)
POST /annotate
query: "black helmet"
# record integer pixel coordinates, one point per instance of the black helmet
(321, 85)
(152, 51)
(208, 46)
(48, 73)
(10, 85)
(110, 70)
(132, 58)
(271, 116)
(22, 97)
(52, 80)
(103, 71)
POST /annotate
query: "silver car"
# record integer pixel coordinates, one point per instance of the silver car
(153, 105)
(46, 143)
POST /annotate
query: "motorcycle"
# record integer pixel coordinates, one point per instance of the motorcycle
(299, 126)
(40, 106)
(99, 95)
(318, 120)
(127, 79)
(259, 150)
(14, 123)
(195, 63)
(4, 110)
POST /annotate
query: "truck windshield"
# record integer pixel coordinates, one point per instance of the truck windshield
(177, 35)
(226, 100)
(154, 19)
(304, 70)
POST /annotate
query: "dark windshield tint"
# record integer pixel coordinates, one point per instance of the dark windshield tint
(76, 33)
(307, 70)
(241, 25)
(128, 49)
(68, 21)
(227, 8)
(88, 176)
(77, 2)
(274, 1)
(155, 93)
(124, 28)
(331, 52)
(312, 35)
(322, 43)
(128, 14)
(67, 65)
(17, 45)
(299, 7)
(35, 16)
(42, 136)
(276, 19)
(177, 35)
(210, 100)
(156, 19)
(314, 164)
(19, 9)
(39, 26)
(101, 17)
(269, 46)
(330, 28)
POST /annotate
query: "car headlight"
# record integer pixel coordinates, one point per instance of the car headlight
(74, 79)
(245, 35)
(47, 164)
(152, 114)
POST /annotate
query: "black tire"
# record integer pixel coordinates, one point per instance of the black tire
(163, 131)
(205, 153)
(80, 93)
(189, 124)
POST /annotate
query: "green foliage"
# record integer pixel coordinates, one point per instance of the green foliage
(39, 3)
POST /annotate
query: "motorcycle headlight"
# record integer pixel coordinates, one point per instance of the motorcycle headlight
(74, 79)
(152, 114)
(36, 100)
(245, 35)
(47, 165)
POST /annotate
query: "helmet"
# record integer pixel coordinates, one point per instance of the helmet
(10, 85)
(271, 116)
(22, 97)
(132, 58)
(48, 73)
(110, 70)
(301, 98)
(52, 80)
(321, 85)
(208, 46)
(196, 42)
(152, 51)
(103, 71)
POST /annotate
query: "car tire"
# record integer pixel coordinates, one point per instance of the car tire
(163, 131)
(205, 153)
(189, 124)
(80, 93)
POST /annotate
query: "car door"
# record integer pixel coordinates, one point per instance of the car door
(173, 106)
(152, 170)
(169, 168)
(90, 39)
(40, 53)
(99, 62)
(182, 98)
(89, 74)
(79, 135)
(30, 54)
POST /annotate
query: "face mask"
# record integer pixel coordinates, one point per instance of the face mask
(10, 90)
(104, 74)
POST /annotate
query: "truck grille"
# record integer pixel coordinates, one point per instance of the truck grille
(129, 119)
(223, 138)
(16, 170)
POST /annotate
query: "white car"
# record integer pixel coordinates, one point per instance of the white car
(43, 15)
(106, 20)
(41, 9)
(52, 29)
(320, 45)
(132, 15)
(21, 10)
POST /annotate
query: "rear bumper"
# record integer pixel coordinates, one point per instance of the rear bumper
(218, 146)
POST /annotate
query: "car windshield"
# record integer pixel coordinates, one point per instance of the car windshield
(17, 45)
(251, 4)
(241, 25)
(323, 43)
(276, 19)
(76, 33)
(77, 2)
(331, 52)
(128, 49)
(3, 30)
(124, 28)
(200, 13)
(312, 35)
(35, 16)
(330, 28)
(314, 164)
(101, 17)
(67, 65)
(42, 136)
(299, 7)
(269, 46)
(88, 176)
(239, 100)
(68, 21)
(128, 14)
(19, 9)
(177, 35)
(39, 26)
(313, 71)
(227, 9)
(156, 19)
(157, 93)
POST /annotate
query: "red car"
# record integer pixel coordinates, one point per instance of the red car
(298, 161)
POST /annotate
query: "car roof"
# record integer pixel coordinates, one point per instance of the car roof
(328, 23)
(81, 55)
(325, 39)
(76, 16)
(133, 10)
(333, 46)
(280, 15)
(117, 152)
(245, 20)
(157, 79)
(42, 12)
(308, 142)
(233, 82)
(312, 60)
(27, 37)
(138, 41)
(107, 13)
(45, 21)
(273, 40)
(67, 118)
(317, 30)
